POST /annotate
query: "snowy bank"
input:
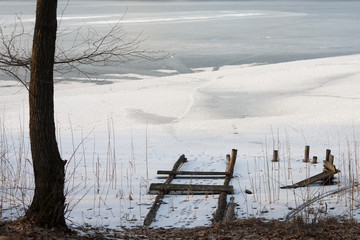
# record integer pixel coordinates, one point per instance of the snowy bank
(204, 114)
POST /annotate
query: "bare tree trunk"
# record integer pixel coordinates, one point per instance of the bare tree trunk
(47, 207)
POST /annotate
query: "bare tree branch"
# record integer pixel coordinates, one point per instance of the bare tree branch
(110, 48)
(88, 48)
(15, 56)
(14, 75)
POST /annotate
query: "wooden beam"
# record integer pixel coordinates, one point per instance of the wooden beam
(191, 188)
(158, 200)
(193, 173)
(176, 167)
(326, 175)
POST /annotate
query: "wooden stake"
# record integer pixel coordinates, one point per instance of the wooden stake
(230, 211)
(328, 152)
(232, 162)
(307, 153)
(230, 167)
(275, 156)
(314, 159)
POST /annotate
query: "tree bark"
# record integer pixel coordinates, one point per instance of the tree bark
(48, 204)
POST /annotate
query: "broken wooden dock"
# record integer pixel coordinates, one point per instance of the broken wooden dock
(326, 176)
(167, 186)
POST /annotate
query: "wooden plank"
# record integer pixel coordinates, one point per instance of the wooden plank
(191, 188)
(158, 200)
(196, 173)
(321, 176)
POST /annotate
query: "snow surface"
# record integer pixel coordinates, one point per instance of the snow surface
(203, 115)
(234, 85)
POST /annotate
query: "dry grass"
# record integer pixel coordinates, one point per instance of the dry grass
(241, 229)
(84, 178)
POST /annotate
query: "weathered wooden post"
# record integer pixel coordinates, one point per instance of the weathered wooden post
(307, 153)
(222, 202)
(329, 165)
(327, 156)
(275, 156)
(232, 161)
(230, 167)
(314, 159)
(230, 211)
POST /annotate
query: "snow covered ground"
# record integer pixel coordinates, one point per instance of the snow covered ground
(117, 131)
(203, 115)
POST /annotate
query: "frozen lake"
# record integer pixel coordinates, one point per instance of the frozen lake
(216, 33)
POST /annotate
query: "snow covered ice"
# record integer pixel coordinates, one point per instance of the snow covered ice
(262, 76)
